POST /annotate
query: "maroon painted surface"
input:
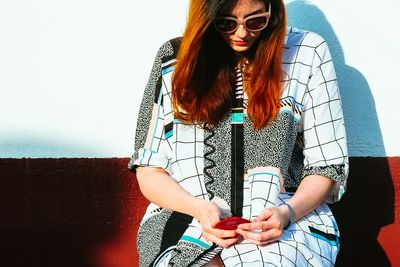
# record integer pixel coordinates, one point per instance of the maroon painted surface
(68, 212)
(85, 212)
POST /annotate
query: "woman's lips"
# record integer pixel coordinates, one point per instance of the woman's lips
(240, 43)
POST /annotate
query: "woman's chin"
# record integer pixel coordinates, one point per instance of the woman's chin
(240, 49)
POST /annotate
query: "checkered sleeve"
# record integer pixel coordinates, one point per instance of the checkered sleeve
(325, 151)
(151, 147)
(155, 152)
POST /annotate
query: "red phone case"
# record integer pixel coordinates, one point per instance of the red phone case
(231, 223)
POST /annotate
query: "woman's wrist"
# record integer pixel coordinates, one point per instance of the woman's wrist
(288, 211)
(197, 206)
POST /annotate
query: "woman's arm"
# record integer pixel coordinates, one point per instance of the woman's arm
(160, 188)
(312, 191)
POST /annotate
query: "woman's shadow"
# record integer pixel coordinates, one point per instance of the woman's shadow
(368, 204)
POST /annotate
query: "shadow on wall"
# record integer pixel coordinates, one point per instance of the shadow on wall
(34, 147)
(368, 204)
(362, 125)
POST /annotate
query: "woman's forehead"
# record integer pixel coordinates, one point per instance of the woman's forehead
(242, 6)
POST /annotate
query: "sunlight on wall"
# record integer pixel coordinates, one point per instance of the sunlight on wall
(72, 72)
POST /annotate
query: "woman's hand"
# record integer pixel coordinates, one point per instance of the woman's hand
(160, 188)
(267, 227)
(208, 214)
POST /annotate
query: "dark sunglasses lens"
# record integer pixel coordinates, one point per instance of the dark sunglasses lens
(225, 25)
(255, 24)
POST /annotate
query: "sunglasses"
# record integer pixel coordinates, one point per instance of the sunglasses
(253, 23)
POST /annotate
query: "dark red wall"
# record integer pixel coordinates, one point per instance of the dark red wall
(85, 212)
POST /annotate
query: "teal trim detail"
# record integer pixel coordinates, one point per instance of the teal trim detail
(144, 152)
(331, 242)
(168, 134)
(258, 173)
(169, 69)
(290, 113)
(293, 100)
(195, 241)
(237, 117)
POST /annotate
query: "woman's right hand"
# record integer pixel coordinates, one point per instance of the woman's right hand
(208, 214)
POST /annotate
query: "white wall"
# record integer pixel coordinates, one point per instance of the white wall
(72, 72)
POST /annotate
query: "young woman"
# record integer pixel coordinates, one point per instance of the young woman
(241, 117)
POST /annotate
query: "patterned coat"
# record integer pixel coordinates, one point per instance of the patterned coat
(306, 138)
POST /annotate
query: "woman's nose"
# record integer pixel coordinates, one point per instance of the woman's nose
(241, 31)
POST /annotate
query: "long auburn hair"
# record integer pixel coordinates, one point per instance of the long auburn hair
(202, 88)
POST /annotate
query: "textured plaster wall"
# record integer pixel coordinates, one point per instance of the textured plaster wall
(72, 72)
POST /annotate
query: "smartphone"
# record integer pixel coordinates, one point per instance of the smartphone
(231, 223)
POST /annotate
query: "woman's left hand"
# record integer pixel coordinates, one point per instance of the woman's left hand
(267, 227)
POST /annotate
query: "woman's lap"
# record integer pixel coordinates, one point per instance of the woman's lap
(311, 241)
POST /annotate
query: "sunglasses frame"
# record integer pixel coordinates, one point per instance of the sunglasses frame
(243, 21)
